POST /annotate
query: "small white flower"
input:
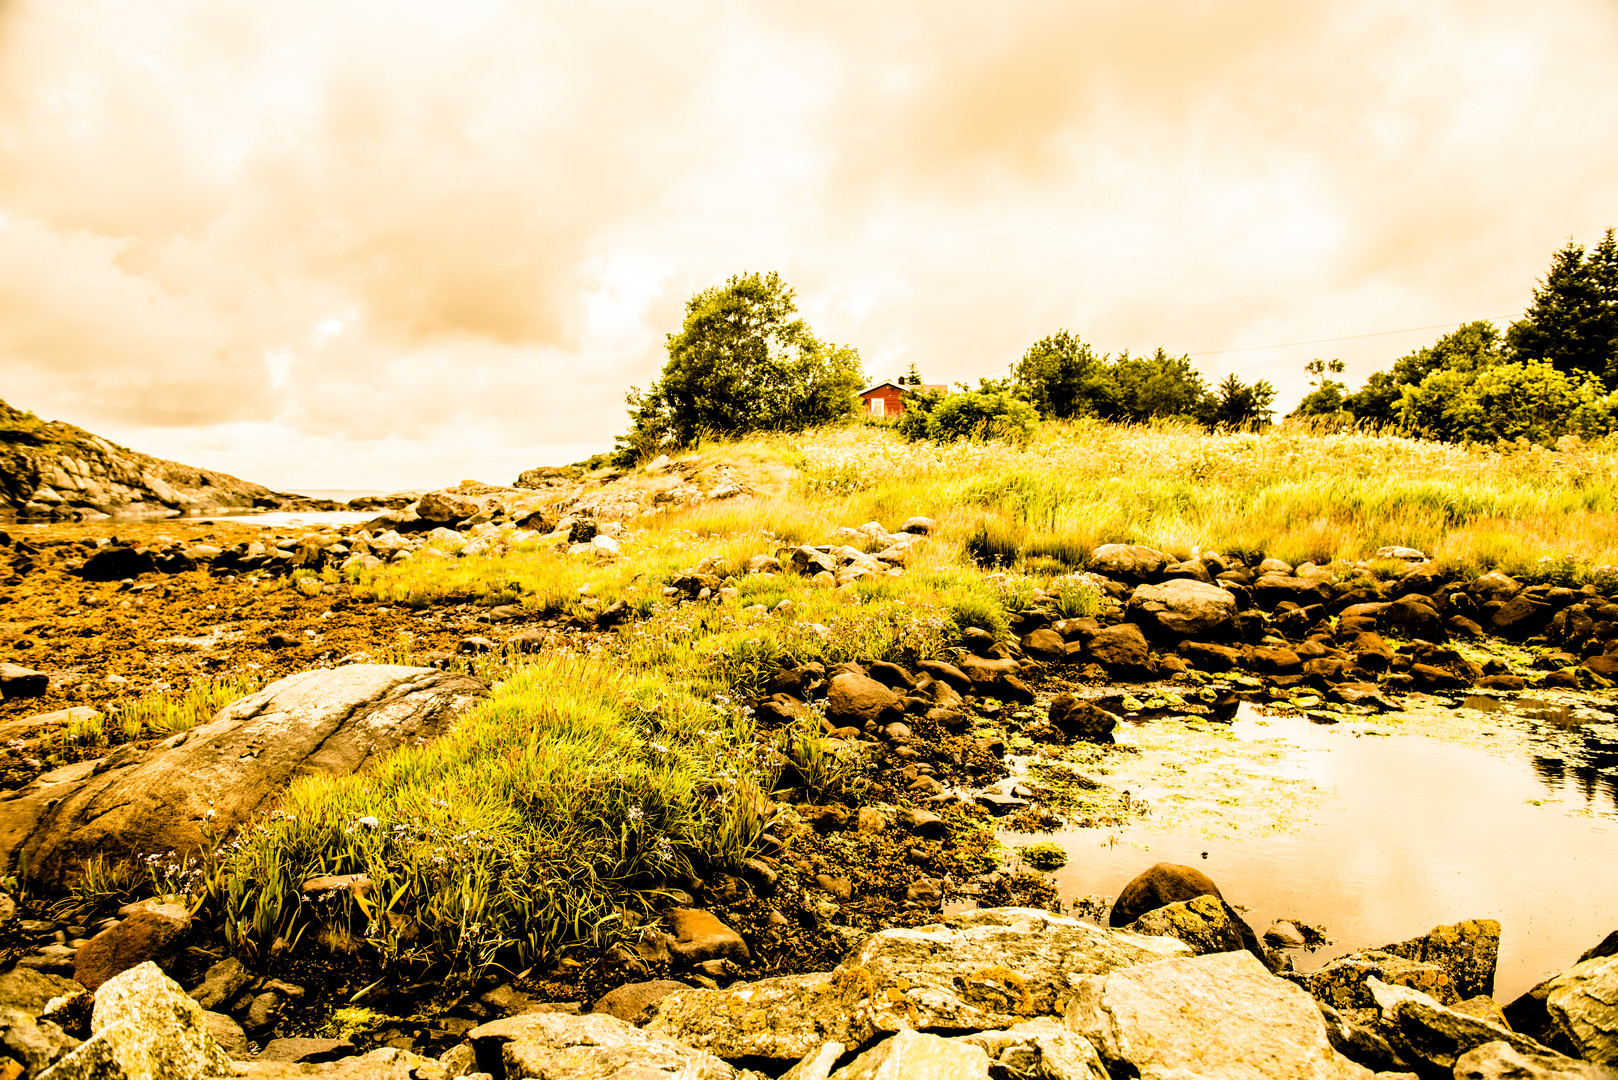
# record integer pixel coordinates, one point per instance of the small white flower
(635, 813)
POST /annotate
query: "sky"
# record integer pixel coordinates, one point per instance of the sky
(377, 245)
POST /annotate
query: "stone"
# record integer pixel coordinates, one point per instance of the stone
(144, 1025)
(21, 682)
(1182, 608)
(1500, 1060)
(910, 1055)
(154, 932)
(871, 820)
(1583, 1005)
(853, 700)
(446, 506)
(154, 799)
(1359, 1042)
(1159, 885)
(30, 1044)
(1079, 719)
(990, 968)
(988, 674)
(924, 823)
(1045, 644)
(1042, 1047)
(1495, 585)
(1222, 1015)
(1423, 1030)
(636, 1003)
(1284, 934)
(593, 1046)
(1201, 922)
(919, 526)
(387, 1063)
(307, 1050)
(1343, 983)
(1129, 562)
(116, 564)
(30, 991)
(699, 936)
(1120, 648)
(1467, 950)
(228, 1034)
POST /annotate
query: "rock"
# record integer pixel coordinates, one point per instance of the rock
(446, 506)
(1182, 608)
(1500, 1060)
(1042, 1048)
(1343, 983)
(1423, 1030)
(1402, 554)
(1045, 644)
(1222, 1015)
(1120, 648)
(30, 1045)
(228, 1034)
(924, 823)
(920, 526)
(1079, 719)
(853, 700)
(1360, 1043)
(910, 1055)
(699, 936)
(262, 1012)
(387, 1063)
(1495, 586)
(116, 564)
(871, 820)
(1467, 950)
(309, 1050)
(1158, 886)
(816, 1065)
(988, 674)
(144, 1025)
(30, 991)
(331, 721)
(948, 674)
(1583, 1005)
(153, 932)
(1201, 922)
(1284, 934)
(21, 682)
(636, 1003)
(593, 1046)
(1522, 616)
(991, 968)
(925, 892)
(1128, 562)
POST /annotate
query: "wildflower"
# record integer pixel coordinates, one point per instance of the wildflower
(635, 813)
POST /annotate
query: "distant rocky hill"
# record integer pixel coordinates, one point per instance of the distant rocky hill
(53, 470)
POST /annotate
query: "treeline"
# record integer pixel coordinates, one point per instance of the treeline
(1553, 373)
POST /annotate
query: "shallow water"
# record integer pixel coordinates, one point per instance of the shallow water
(278, 520)
(1379, 830)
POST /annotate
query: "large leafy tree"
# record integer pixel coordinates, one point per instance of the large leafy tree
(1064, 378)
(1572, 323)
(743, 361)
(1470, 347)
(1326, 399)
(1238, 405)
(1057, 374)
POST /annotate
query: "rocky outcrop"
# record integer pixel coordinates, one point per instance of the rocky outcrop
(1221, 1015)
(144, 1025)
(154, 800)
(589, 1047)
(988, 969)
(1583, 1005)
(53, 470)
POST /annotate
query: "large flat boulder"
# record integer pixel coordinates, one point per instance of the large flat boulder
(1182, 607)
(593, 1046)
(987, 969)
(1583, 1006)
(1222, 1015)
(140, 801)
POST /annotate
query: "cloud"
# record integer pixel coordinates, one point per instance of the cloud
(372, 226)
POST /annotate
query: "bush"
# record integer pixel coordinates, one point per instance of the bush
(982, 416)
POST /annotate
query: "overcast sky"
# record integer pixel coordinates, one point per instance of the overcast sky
(391, 244)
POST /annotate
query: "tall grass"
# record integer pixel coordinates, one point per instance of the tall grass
(577, 790)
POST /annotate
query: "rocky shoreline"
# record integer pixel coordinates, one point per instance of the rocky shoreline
(1208, 633)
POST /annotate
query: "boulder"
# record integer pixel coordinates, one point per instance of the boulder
(446, 506)
(1495, 585)
(29, 991)
(593, 1046)
(986, 969)
(636, 1003)
(1583, 1006)
(31, 1043)
(116, 564)
(1045, 644)
(144, 1025)
(1042, 1047)
(312, 1051)
(1500, 1060)
(699, 936)
(910, 1055)
(1222, 1015)
(1182, 608)
(1158, 886)
(1079, 719)
(1467, 950)
(1422, 1030)
(152, 932)
(384, 1064)
(1129, 562)
(854, 700)
(1120, 648)
(17, 681)
(144, 800)
(817, 1064)
(1343, 982)
(1203, 923)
